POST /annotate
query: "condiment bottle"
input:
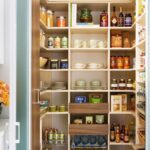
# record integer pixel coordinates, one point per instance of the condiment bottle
(50, 42)
(112, 133)
(113, 62)
(61, 21)
(122, 133)
(64, 42)
(120, 62)
(126, 136)
(129, 84)
(50, 18)
(126, 62)
(104, 19)
(114, 84)
(128, 20)
(57, 42)
(122, 84)
(117, 135)
(43, 15)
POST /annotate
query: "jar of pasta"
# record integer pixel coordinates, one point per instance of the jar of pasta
(50, 18)
(43, 15)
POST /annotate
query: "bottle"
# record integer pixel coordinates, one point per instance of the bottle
(103, 19)
(126, 136)
(114, 20)
(121, 18)
(122, 133)
(122, 84)
(112, 133)
(114, 84)
(129, 84)
(128, 20)
(117, 135)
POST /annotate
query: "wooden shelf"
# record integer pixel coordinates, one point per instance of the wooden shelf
(88, 90)
(123, 49)
(121, 143)
(53, 91)
(123, 113)
(53, 70)
(123, 91)
(77, 50)
(89, 70)
(88, 108)
(122, 69)
(88, 129)
(45, 49)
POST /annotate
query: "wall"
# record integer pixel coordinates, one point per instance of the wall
(4, 69)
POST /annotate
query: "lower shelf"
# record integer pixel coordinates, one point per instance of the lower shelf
(92, 129)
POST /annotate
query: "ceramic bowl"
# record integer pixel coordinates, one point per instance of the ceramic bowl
(43, 61)
(95, 83)
(80, 83)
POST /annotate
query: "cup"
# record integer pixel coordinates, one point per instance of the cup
(92, 44)
(83, 44)
(95, 83)
(76, 44)
(81, 83)
(100, 119)
(79, 65)
(100, 44)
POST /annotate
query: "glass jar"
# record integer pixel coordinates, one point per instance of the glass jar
(64, 64)
(43, 15)
(64, 42)
(120, 62)
(104, 19)
(50, 18)
(57, 42)
(62, 108)
(122, 84)
(50, 42)
(129, 84)
(61, 21)
(114, 84)
(113, 62)
(128, 20)
(126, 62)
(54, 64)
(86, 16)
(42, 38)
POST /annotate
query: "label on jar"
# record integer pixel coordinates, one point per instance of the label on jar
(50, 43)
(122, 85)
(129, 85)
(114, 85)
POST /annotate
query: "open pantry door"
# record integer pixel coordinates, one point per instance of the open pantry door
(35, 75)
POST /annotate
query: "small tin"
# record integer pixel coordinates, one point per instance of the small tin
(64, 64)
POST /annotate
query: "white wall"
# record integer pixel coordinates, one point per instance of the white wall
(4, 69)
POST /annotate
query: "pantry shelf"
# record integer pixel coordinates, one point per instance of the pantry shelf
(88, 70)
(88, 90)
(123, 91)
(45, 49)
(123, 113)
(123, 49)
(88, 50)
(53, 91)
(122, 69)
(85, 129)
(53, 70)
(121, 143)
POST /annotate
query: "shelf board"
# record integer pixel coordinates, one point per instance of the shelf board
(45, 49)
(89, 70)
(89, 49)
(53, 70)
(88, 90)
(123, 91)
(141, 111)
(53, 30)
(141, 19)
(89, 108)
(123, 113)
(53, 91)
(121, 143)
(88, 30)
(140, 69)
(122, 69)
(123, 49)
(88, 129)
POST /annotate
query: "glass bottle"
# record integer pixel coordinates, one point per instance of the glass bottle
(104, 19)
(114, 84)
(121, 18)
(126, 135)
(129, 84)
(122, 84)
(112, 133)
(117, 135)
(122, 133)
(114, 19)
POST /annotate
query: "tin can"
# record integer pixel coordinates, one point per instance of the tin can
(64, 64)
(50, 42)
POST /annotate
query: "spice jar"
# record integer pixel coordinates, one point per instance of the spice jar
(122, 84)
(62, 108)
(86, 16)
(114, 84)
(104, 19)
(57, 42)
(50, 42)
(64, 42)
(53, 108)
(126, 62)
(113, 62)
(120, 62)
(50, 18)
(61, 21)
(43, 15)
(130, 84)
(54, 64)
(50, 136)
(61, 137)
(64, 64)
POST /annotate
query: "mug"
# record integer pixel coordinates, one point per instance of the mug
(92, 44)
(100, 119)
(83, 44)
(76, 43)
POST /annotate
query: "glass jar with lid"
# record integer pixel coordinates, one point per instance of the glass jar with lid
(129, 84)
(54, 64)
(122, 84)
(64, 64)
(114, 84)
(86, 16)
(57, 42)
(61, 21)
(50, 18)
(43, 14)
(64, 42)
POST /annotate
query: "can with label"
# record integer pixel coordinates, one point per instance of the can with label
(50, 42)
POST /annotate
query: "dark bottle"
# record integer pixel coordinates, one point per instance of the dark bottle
(114, 20)
(121, 18)
(122, 133)
(126, 136)
(104, 19)
(128, 20)
(112, 133)
(117, 135)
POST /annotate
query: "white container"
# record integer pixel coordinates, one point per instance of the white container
(2, 140)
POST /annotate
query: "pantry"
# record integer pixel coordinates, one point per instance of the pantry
(88, 74)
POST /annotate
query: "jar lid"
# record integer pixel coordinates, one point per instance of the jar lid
(49, 11)
(54, 60)
(43, 8)
(61, 17)
(114, 79)
(63, 59)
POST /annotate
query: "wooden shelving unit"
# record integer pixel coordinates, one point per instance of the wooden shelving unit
(88, 55)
